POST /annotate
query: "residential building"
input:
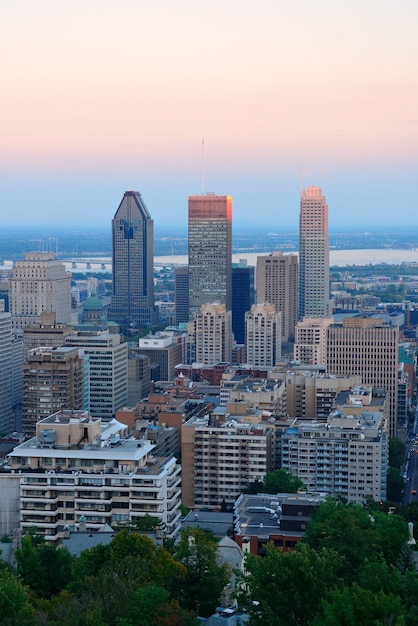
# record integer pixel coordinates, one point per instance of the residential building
(213, 334)
(263, 335)
(311, 340)
(221, 455)
(46, 332)
(76, 472)
(40, 283)
(133, 263)
(243, 297)
(313, 254)
(6, 373)
(210, 251)
(347, 456)
(108, 370)
(277, 283)
(369, 348)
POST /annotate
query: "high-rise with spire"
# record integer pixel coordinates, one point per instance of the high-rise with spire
(313, 254)
(132, 263)
(210, 251)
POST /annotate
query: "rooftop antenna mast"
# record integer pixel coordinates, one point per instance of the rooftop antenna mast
(203, 166)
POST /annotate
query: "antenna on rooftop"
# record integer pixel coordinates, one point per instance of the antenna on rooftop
(203, 166)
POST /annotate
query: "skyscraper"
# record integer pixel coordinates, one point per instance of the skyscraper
(213, 334)
(243, 296)
(6, 379)
(132, 263)
(263, 335)
(210, 251)
(313, 254)
(277, 283)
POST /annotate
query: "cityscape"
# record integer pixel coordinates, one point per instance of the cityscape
(208, 313)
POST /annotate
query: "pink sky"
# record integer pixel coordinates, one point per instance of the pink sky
(121, 93)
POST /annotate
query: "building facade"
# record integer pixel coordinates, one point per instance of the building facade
(263, 335)
(369, 348)
(213, 334)
(164, 350)
(311, 340)
(243, 297)
(181, 287)
(108, 370)
(40, 283)
(277, 283)
(133, 263)
(210, 251)
(76, 469)
(313, 254)
(6, 373)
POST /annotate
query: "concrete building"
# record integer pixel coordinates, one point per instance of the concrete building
(108, 370)
(347, 456)
(263, 335)
(221, 455)
(76, 472)
(46, 332)
(133, 263)
(277, 283)
(243, 297)
(313, 254)
(213, 334)
(6, 373)
(311, 340)
(139, 376)
(163, 350)
(210, 251)
(181, 287)
(266, 395)
(53, 379)
(369, 348)
(39, 283)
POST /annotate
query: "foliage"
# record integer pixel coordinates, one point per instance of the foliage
(14, 600)
(395, 485)
(205, 578)
(396, 452)
(152, 606)
(279, 481)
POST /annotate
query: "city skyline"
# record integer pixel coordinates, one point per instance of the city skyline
(100, 98)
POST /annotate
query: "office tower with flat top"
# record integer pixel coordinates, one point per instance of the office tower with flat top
(132, 264)
(210, 251)
(313, 254)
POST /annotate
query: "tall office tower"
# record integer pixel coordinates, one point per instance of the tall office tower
(368, 347)
(277, 283)
(53, 379)
(313, 254)
(108, 370)
(6, 372)
(311, 340)
(39, 283)
(213, 334)
(263, 335)
(210, 251)
(133, 263)
(243, 296)
(181, 286)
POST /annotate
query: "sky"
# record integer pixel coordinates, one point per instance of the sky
(254, 99)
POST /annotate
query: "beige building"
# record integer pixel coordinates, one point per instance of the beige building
(213, 334)
(263, 335)
(313, 254)
(74, 469)
(163, 350)
(311, 340)
(221, 454)
(346, 456)
(369, 348)
(277, 283)
(39, 283)
(46, 332)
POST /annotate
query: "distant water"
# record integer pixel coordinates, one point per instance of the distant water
(337, 257)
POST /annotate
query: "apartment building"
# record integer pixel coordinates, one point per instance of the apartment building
(263, 335)
(311, 340)
(76, 467)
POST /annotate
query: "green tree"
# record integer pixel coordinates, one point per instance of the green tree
(395, 485)
(396, 452)
(205, 577)
(152, 606)
(286, 588)
(281, 481)
(15, 605)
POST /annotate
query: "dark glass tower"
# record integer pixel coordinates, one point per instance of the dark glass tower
(243, 296)
(132, 264)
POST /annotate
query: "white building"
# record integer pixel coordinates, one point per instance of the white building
(74, 468)
(346, 456)
(311, 340)
(213, 334)
(108, 367)
(263, 335)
